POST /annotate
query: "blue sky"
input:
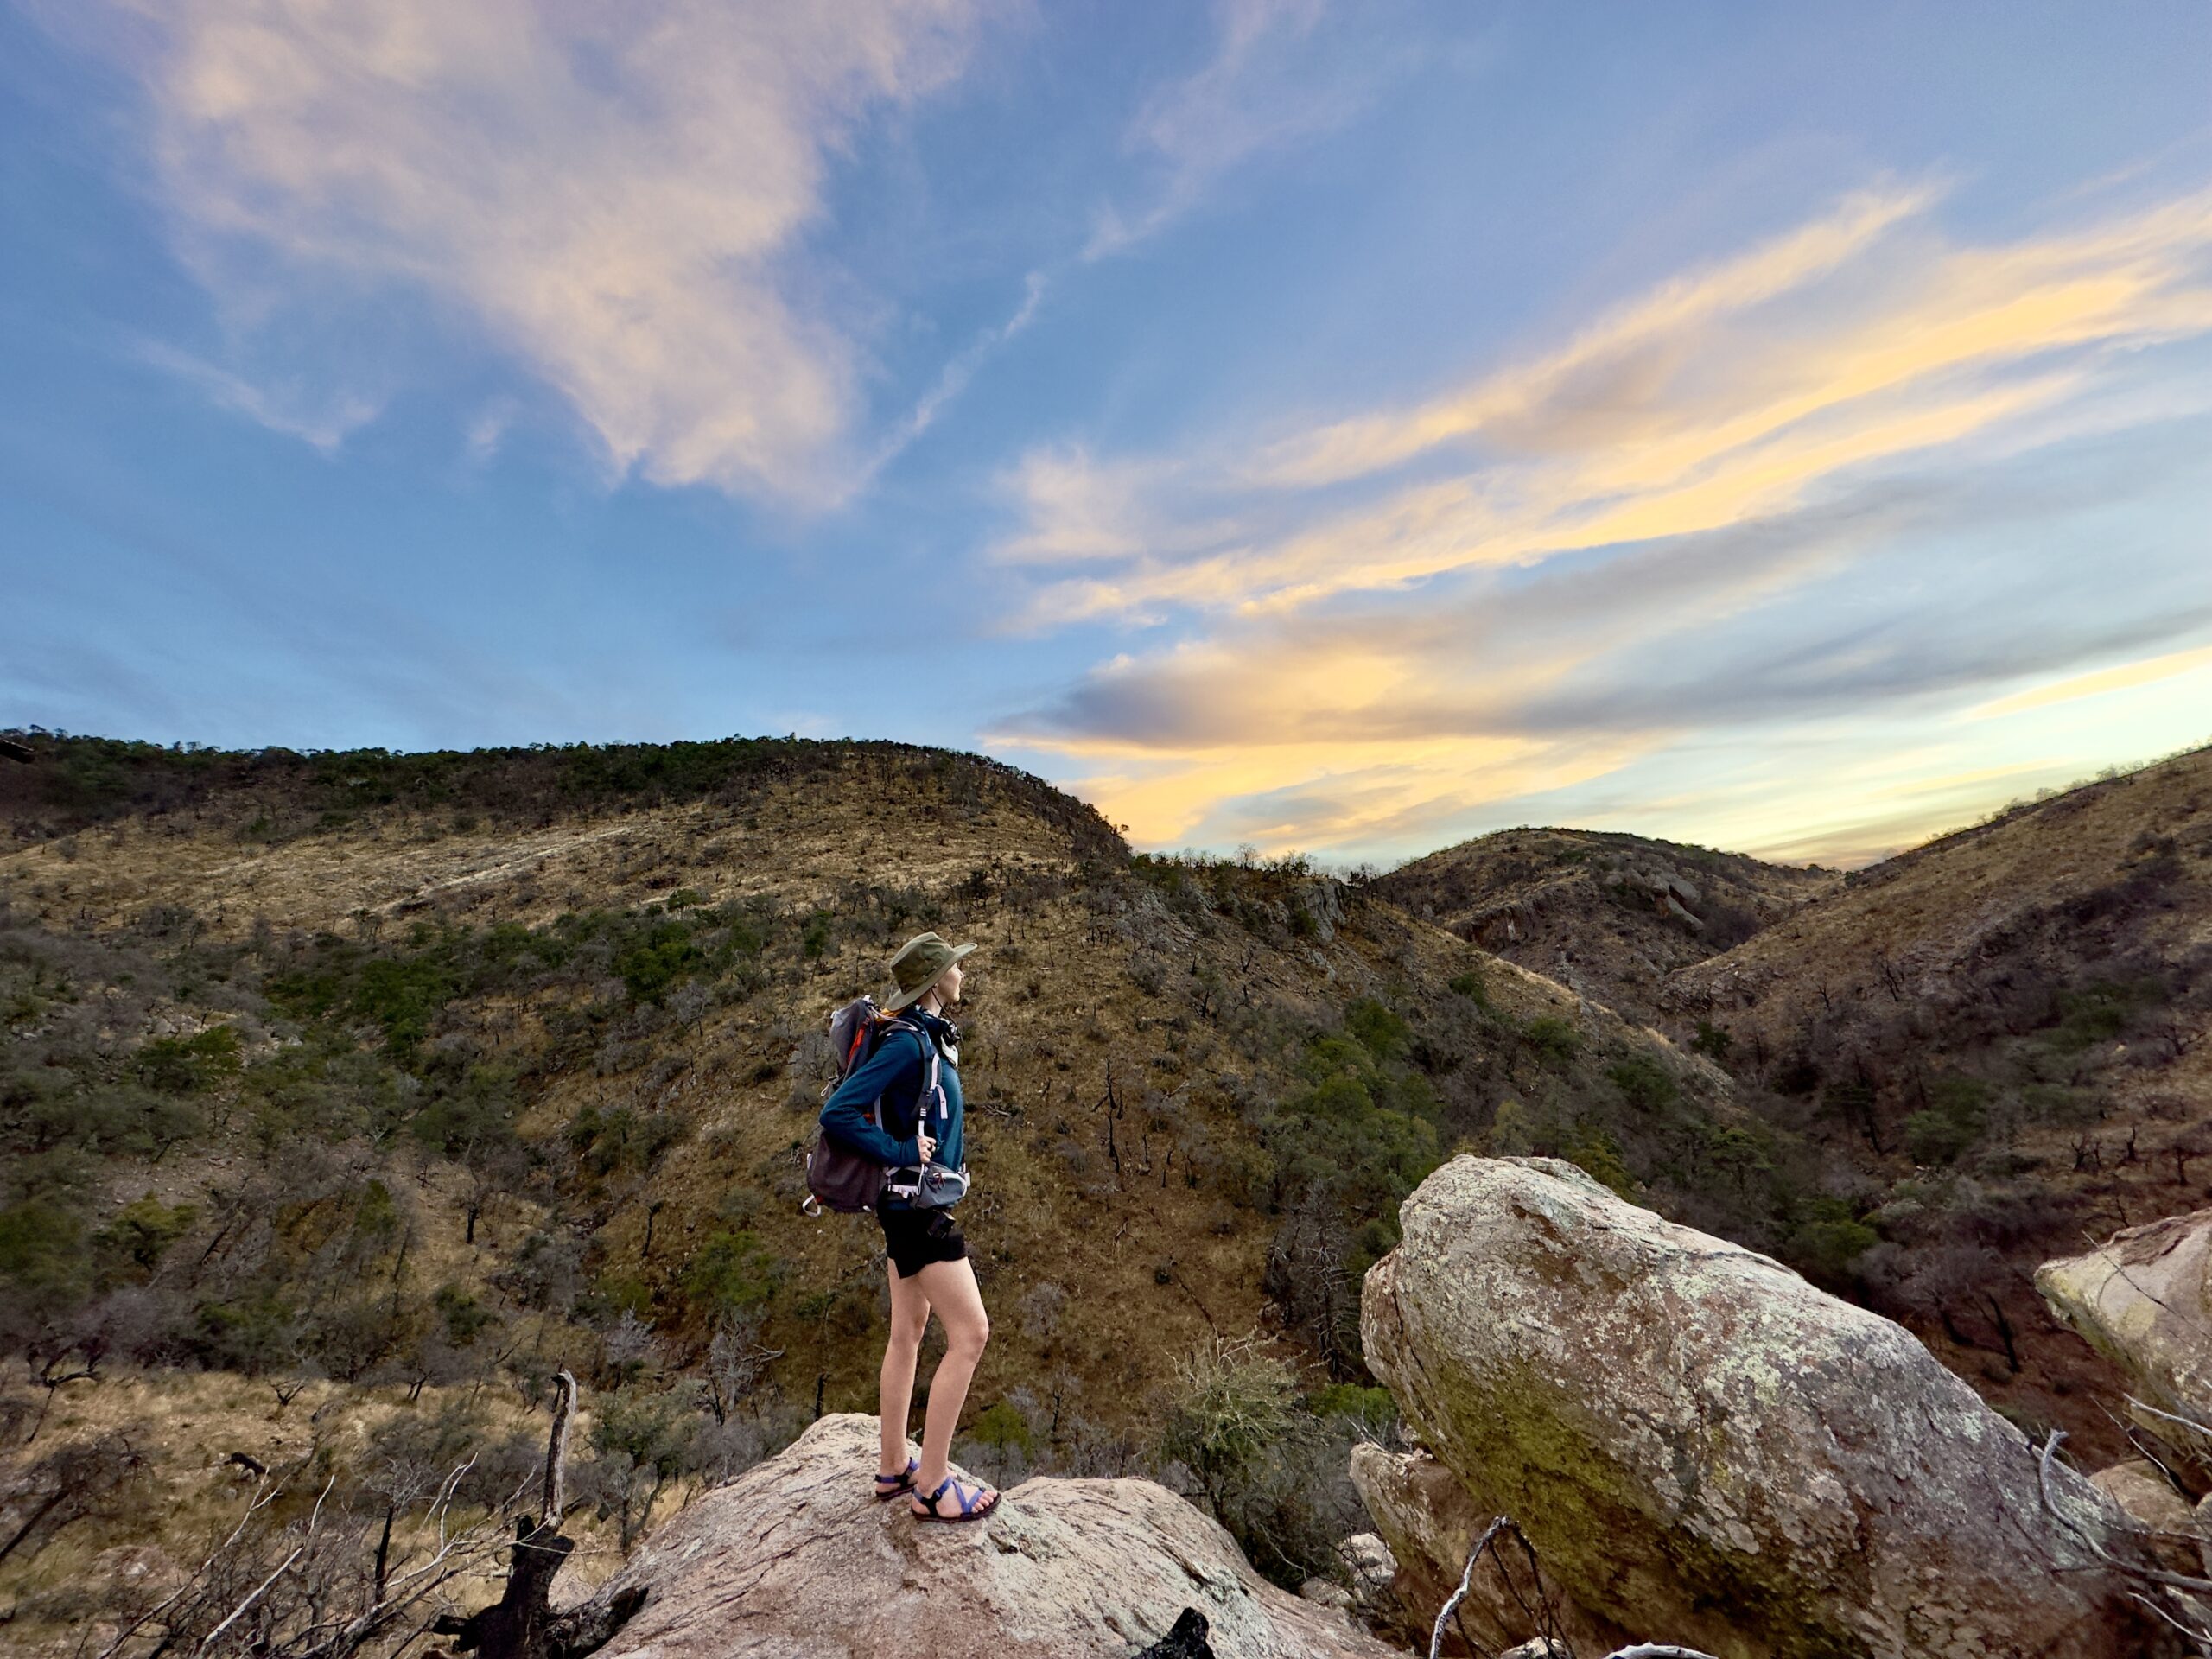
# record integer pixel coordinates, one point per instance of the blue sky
(1345, 428)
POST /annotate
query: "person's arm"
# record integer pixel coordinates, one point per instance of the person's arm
(844, 1115)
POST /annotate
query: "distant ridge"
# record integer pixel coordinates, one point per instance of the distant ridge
(75, 782)
(1609, 914)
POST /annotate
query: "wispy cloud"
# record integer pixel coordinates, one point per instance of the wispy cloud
(953, 378)
(323, 421)
(618, 196)
(1255, 94)
(2074, 687)
(1733, 393)
(1710, 508)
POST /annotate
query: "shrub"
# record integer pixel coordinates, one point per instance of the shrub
(1955, 1118)
(1645, 1083)
(732, 1272)
(1002, 1427)
(1472, 986)
(1383, 1033)
(184, 1065)
(1828, 1241)
(1594, 1151)
(1232, 1406)
(140, 1232)
(666, 955)
(1552, 1037)
(814, 940)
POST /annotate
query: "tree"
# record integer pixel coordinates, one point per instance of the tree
(642, 1439)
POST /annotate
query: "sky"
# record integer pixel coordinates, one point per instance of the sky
(1335, 427)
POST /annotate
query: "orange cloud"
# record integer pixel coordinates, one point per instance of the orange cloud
(1770, 381)
(2075, 687)
(1350, 685)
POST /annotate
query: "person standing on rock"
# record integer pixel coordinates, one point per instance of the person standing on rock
(914, 1074)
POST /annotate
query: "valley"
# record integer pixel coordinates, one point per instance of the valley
(350, 1097)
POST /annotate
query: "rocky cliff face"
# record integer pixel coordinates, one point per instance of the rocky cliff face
(1706, 1449)
(795, 1560)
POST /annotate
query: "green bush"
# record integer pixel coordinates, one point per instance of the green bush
(1232, 1406)
(1472, 986)
(1379, 1030)
(651, 967)
(1552, 1037)
(2100, 1012)
(1954, 1120)
(1644, 1083)
(1001, 1427)
(184, 1065)
(42, 1260)
(1594, 1151)
(1512, 1131)
(732, 1272)
(1824, 1245)
(814, 937)
(1376, 1409)
(140, 1232)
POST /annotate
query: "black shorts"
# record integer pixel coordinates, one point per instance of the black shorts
(914, 1238)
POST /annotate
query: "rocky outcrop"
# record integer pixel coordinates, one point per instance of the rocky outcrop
(1430, 1520)
(795, 1560)
(2143, 1299)
(1706, 1449)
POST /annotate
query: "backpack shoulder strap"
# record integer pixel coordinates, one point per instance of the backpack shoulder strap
(931, 1087)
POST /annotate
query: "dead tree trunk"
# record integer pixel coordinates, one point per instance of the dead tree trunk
(522, 1623)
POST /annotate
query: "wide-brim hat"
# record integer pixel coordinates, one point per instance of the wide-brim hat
(919, 964)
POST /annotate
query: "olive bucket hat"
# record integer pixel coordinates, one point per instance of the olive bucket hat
(918, 966)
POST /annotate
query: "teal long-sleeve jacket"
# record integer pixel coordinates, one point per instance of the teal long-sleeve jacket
(895, 1073)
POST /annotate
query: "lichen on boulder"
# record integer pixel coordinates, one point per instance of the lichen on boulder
(1706, 1449)
(2143, 1299)
(1429, 1519)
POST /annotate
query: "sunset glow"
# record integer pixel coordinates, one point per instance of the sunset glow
(1286, 424)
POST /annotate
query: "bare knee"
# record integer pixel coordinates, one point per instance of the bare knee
(907, 1330)
(969, 1339)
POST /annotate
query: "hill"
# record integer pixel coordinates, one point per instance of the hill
(1608, 915)
(2003, 1034)
(407, 1080)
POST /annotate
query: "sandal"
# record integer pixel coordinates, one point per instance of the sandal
(984, 1501)
(889, 1486)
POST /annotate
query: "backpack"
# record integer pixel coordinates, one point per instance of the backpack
(837, 1178)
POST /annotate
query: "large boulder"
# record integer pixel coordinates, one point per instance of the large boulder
(796, 1560)
(2143, 1299)
(1707, 1450)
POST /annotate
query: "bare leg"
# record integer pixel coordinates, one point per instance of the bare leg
(950, 1288)
(909, 1317)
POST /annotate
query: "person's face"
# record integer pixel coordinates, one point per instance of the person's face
(948, 987)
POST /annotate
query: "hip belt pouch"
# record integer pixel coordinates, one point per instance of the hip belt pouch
(940, 1188)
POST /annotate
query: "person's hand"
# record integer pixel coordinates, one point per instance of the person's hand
(928, 1145)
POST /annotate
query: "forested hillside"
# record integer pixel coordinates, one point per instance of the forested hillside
(2002, 1036)
(348, 1097)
